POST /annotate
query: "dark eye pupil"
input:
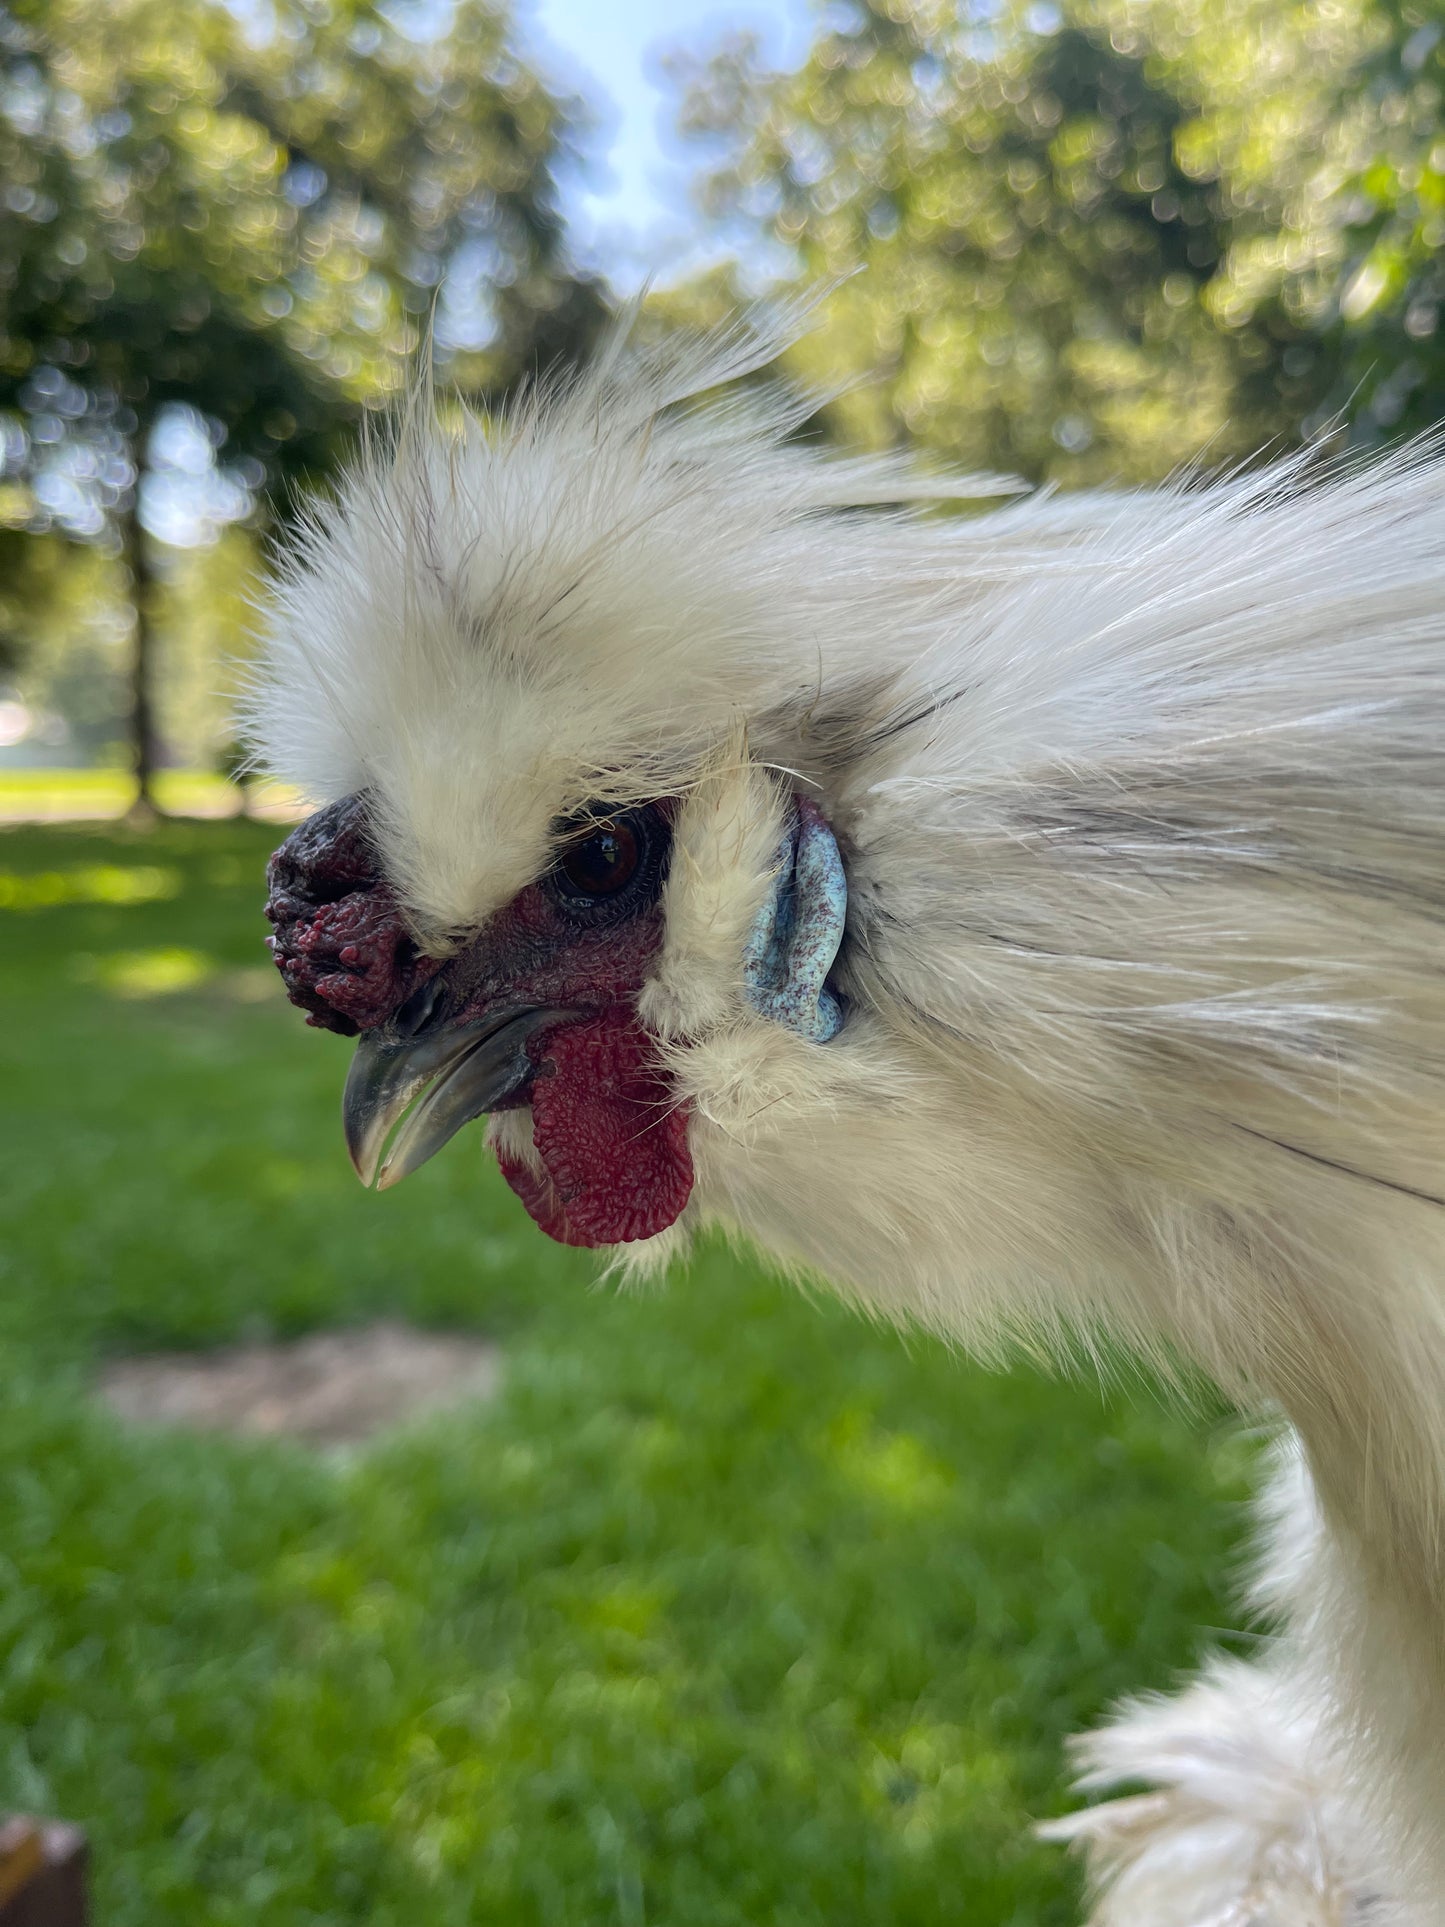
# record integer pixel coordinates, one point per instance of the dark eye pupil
(601, 864)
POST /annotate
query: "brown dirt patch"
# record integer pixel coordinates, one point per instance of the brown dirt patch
(329, 1388)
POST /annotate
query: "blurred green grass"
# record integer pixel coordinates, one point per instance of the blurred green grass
(731, 1609)
(43, 795)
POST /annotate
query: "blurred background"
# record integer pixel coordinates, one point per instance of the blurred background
(1099, 240)
(715, 1607)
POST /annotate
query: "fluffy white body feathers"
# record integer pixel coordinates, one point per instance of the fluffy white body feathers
(1143, 805)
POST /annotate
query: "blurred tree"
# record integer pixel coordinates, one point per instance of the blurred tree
(204, 607)
(1392, 292)
(1335, 148)
(13, 557)
(1103, 237)
(65, 640)
(248, 210)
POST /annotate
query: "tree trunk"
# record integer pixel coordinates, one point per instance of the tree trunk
(142, 720)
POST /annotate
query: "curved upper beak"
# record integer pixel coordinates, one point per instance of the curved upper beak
(463, 1070)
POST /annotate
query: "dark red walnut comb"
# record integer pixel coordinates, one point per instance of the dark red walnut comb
(341, 942)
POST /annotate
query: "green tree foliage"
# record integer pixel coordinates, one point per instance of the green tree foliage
(1101, 237)
(250, 209)
(1001, 191)
(1356, 259)
(65, 642)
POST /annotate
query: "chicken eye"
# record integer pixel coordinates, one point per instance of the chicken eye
(609, 866)
(600, 865)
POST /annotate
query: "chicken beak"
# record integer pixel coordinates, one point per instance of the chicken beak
(470, 1069)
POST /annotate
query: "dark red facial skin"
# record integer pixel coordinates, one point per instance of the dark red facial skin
(610, 1135)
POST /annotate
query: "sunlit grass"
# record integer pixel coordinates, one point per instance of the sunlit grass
(88, 883)
(161, 972)
(45, 795)
(729, 1611)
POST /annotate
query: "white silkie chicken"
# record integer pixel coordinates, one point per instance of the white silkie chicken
(1033, 919)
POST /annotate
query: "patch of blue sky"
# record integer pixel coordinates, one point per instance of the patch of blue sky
(628, 208)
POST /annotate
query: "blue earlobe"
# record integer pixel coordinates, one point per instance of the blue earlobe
(792, 945)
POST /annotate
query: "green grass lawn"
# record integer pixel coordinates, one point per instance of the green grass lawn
(731, 1609)
(42, 794)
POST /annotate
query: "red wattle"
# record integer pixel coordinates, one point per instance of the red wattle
(612, 1139)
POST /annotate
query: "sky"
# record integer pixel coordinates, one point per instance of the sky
(629, 214)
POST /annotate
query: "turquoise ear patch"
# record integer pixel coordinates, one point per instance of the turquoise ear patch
(794, 942)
